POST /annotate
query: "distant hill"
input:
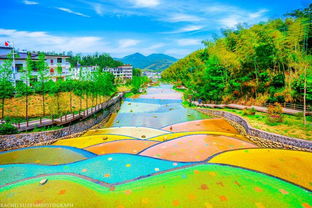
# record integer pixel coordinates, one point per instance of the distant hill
(153, 61)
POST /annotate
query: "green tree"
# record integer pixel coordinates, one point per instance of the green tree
(6, 86)
(42, 75)
(137, 83)
(256, 64)
(24, 87)
(137, 72)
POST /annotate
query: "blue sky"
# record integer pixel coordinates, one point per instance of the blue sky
(122, 27)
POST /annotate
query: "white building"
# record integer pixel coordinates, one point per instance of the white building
(53, 62)
(82, 72)
(124, 71)
(152, 75)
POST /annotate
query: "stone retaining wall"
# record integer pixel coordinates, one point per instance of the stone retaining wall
(14, 141)
(259, 137)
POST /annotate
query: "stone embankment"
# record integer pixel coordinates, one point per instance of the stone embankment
(14, 141)
(241, 107)
(259, 137)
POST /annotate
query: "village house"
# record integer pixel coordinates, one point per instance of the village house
(53, 63)
(124, 71)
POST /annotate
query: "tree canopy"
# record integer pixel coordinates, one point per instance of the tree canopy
(100, 60)
(261, 63)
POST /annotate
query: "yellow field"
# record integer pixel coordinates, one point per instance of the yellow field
(86, 141)
(15, 107)
(294, 166)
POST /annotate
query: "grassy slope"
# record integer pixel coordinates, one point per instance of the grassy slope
(15, 107)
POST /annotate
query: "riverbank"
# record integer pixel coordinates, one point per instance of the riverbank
(77, 128)
(292, 126)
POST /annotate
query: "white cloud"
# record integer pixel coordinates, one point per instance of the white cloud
(156, 46)
(72, 12)
(30, 2)
(250, 18)
(145, 3)
(45, 42)
(189, 28)
(258, 14)
(127, 43)
(99, 9)
(183, 18)
(188, 42)
(221, 8)
(230, 21)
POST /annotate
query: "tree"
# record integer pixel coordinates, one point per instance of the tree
(137, 83)
(69, 86)
(257, 64)
(137, 72)
(100, 60)
(213, 85)
(58, 87)
(6, 86)
(42, 75)
(24, 87)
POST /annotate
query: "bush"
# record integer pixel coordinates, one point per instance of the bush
(7, 128)
(251, 111)
(275, 113)
(299, 115)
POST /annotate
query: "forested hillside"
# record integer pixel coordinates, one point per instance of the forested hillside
(267, 62)
(153, 61)
(100, 60)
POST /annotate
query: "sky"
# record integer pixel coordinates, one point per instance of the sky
(123, 27)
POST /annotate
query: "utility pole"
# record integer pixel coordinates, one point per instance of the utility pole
(305, 96)
(13, 63)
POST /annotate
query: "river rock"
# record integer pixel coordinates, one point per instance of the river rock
(43, 181)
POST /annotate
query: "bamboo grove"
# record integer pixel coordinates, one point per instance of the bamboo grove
(267, 62)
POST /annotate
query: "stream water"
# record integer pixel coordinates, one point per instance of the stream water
(160, 106)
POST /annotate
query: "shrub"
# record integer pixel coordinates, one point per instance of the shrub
(299, 115)
(251, 111)
(7, 128)
(275, 113)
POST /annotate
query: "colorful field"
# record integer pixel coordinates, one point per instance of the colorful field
(116, 167)
(197, 186)
(194, 148)
(49, 155)
(124, 146)
(191, 164)
(139, 132)
(110, 168)
(218, 125)
(293, 166)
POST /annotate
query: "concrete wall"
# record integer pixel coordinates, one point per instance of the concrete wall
(31, 139)
(259, 137)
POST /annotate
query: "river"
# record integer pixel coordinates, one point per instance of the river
(160, 106)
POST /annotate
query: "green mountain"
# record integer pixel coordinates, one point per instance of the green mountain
(153, 61)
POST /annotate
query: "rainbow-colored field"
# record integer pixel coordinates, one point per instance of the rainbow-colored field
(201, 163)
(187, 169)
